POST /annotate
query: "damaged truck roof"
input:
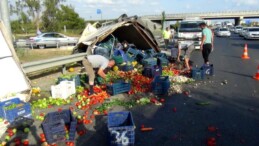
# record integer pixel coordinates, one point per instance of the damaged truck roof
(131, 31)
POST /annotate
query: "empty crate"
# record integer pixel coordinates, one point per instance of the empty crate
(160, 85)
(54, 124)
(197, 73)
(117, 88)
(121, 129)
(208, 69)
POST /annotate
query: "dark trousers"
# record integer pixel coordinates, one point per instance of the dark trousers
(206, 52)
(166, 43)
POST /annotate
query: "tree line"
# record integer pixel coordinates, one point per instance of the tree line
(43, 15)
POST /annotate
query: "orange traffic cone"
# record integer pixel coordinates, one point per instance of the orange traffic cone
(257, 74)
(245, 54)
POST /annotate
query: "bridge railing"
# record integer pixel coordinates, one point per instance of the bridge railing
(208, 14)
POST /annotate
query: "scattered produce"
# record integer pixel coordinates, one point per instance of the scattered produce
(145, 129)
(203, 103)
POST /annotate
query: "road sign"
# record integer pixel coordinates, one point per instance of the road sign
(99, 11)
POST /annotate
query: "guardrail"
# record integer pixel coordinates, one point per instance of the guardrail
(48, 63)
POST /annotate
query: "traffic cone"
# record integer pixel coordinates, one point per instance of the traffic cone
(257, 74)
(245, 54)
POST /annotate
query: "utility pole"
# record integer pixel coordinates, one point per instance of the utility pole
(5, 16)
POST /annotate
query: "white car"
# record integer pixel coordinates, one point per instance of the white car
(237, 29)
(242, 32)
(51, 39)
(223, 32)
(252, 33)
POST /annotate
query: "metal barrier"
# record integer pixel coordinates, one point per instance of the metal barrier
(48, 63)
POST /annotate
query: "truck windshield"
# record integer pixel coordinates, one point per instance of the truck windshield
(223, 29)
(189, 27)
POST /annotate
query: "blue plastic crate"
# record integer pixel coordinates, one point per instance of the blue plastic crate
(162, 61)
(133, 52)
(75, 78)
(208, 69)
(160, 85)
(152, 71)
(163, 55)
(121, 129)
(117, 88)
(54, 123)
(122, 54)
(150, 52)
(149, 62)
(22, 109)
(197, 73)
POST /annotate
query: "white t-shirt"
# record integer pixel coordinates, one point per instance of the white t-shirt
(98, 61)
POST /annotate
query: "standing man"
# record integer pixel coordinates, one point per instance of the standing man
(206, 42)
(99, 62)
(166, 36)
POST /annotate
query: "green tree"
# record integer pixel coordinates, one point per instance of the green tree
(50, 15)
(163, 20)
(69, 18)
(34, 10)
(175, 26)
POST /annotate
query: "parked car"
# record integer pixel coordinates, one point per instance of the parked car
(222, 32)
(51, 39)
(237, 29)
(252, 33)
(242, 32)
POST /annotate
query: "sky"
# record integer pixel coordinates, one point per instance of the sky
(114, 8)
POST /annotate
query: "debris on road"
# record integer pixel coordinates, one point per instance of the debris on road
(203, 103)
(146, 129)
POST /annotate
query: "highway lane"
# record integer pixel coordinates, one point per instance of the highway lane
(233, 107)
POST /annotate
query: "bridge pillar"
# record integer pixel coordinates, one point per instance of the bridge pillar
(238, 20)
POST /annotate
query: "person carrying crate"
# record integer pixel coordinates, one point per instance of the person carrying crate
(187, 48)
(99, 62)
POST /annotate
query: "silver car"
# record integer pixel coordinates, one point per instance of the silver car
(222, 32)
(252, 33)
(242, 32)
(51, 39)
(237, 29)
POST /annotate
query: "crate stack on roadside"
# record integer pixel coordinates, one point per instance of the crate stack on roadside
(200, 73)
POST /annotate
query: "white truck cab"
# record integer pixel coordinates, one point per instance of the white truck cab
(190, 32)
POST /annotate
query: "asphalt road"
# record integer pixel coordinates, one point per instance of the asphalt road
(233, 107)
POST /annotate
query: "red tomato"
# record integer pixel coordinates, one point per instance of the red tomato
(162, 100)
(174, 109)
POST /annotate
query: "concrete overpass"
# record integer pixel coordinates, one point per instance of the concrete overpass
(236, 15)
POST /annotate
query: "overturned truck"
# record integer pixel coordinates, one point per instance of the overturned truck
(131, 31)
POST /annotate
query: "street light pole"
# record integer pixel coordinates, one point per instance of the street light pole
(5, 16)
